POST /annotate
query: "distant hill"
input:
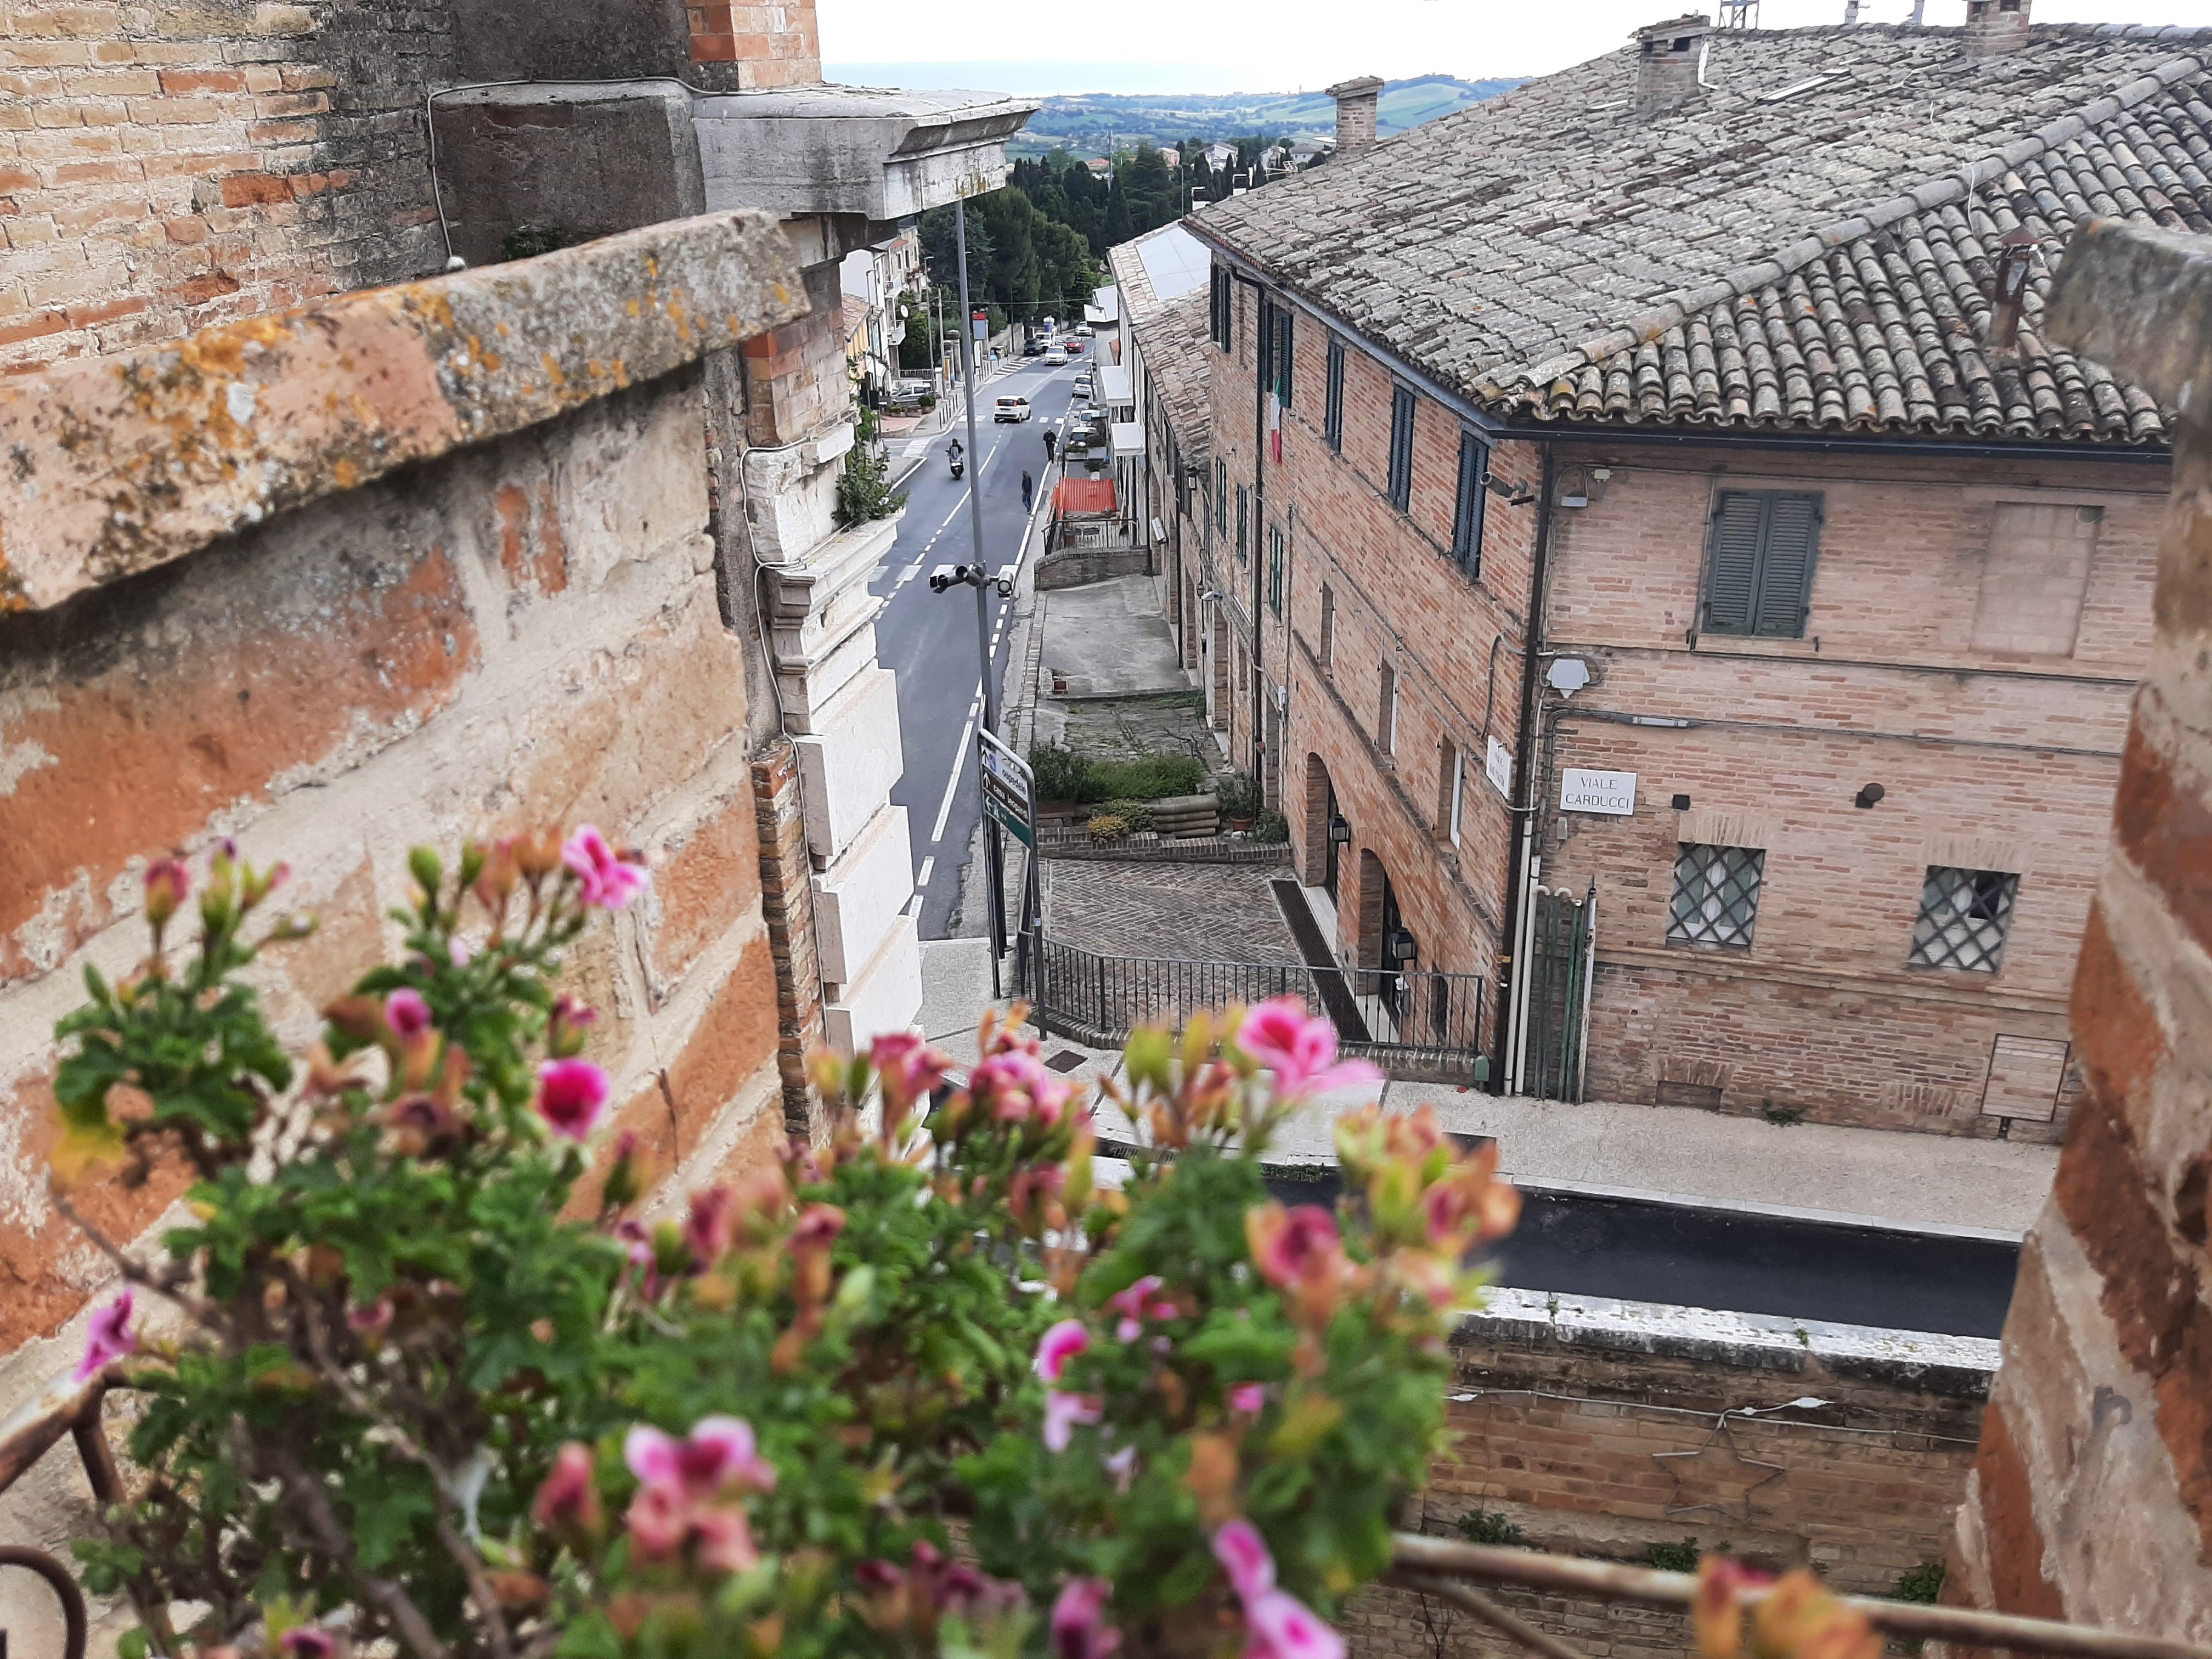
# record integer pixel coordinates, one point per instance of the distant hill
(1084, 120)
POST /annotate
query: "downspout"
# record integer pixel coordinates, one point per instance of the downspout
(1261, 347)
(1525, 773)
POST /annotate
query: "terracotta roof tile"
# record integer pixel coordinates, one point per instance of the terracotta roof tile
(1823, 260)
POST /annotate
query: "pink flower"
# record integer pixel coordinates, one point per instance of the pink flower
(572, 1097)
(167, 882)
(1130, 1304)
(1243, 1556)
(608, 880)
(1059, 1344)
(108, 1338)
(569, 1498)
(1062, 1412)
(1288, 1245)
(1284, 1627)
(369, 1318)
(718, 1452)
(1298, 1050)
(308, 1642)
(818, 1228)
(657, 1519)
(1080, 1629)
(567, 1011)
(909, 1067)
(710, 1225)
(406, 1013)
(1250, 1398)
(724, 1539)
(1015, 1087)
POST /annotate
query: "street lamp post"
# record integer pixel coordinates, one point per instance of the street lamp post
(992, 851)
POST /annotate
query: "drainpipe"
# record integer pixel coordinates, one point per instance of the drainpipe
(1512, 988)
(1260, 354)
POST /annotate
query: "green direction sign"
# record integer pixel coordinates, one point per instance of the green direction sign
(1006, 788)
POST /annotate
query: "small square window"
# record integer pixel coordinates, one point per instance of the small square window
(1715, 895)
(1965, 915)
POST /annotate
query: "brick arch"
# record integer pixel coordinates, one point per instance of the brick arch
(1368, 922)
(1313, 824)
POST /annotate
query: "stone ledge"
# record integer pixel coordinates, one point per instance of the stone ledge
(1960, 1366)
(117, 465)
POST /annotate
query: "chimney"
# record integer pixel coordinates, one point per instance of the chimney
(1356, 100)
(1667, 58)
(1994, 25)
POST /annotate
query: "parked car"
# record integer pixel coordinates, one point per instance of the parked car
(1011, 409)
(1054, 358)
(1033, 346)
(1086, 386)
(909, 390)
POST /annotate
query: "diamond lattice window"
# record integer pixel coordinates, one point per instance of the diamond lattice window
(1964, 917)
(1715, 895)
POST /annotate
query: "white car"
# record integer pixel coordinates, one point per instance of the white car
(1011, 409)
(1082, 385)
(1056, 357)
(1083, 332)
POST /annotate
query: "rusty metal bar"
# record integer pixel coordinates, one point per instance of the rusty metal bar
(1467, 1599)
(34, 1426)
(1607, 1581)
(74, 1626)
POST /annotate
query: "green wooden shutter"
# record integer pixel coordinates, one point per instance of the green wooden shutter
(1466, 511)
(1332, 410)
(1732, 575)
(1785, 567)
(1283, 376)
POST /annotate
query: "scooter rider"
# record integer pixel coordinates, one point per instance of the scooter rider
(958, 456)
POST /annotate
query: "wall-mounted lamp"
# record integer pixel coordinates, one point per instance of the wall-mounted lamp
(1340, 831)
(1401, 946)
(1513, 495)
(1680, 803)
(1869, 795)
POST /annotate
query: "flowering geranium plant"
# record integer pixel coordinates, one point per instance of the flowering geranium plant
(923, 1384)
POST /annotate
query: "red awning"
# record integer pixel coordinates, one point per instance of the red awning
(1084, 495)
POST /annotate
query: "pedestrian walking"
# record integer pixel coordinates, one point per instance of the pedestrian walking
(1028, 491)
(1051, 439)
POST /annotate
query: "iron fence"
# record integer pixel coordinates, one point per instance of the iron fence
(1418, 1024)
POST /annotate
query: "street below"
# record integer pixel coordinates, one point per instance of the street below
(929, 638)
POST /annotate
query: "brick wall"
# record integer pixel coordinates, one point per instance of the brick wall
(169, 167)
(2091, 1496)
(1452, 642)
(1985, 759)
(1595, 1429)
(517, 633)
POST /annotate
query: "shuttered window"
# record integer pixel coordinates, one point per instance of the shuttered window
(1331, 419)
(1243, 520)
(1759, 576)
(1279, 361)
(1275, 568)
(1401, 447)
(1222, 318)
(1221, 497)
(1467, 510)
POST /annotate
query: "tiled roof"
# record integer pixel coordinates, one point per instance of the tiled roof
(1772, 254)
(1172, 335)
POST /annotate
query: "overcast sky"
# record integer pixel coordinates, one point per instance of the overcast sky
(1286, 45)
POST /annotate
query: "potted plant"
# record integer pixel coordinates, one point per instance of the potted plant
(1239, 799)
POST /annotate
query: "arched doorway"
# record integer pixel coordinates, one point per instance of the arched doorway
(1318, 849)
(1380, 922)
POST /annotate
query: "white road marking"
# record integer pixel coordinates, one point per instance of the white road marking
(952, 783)
(928, 868)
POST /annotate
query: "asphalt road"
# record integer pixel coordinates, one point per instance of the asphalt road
(929, 638)
(1579, 1244)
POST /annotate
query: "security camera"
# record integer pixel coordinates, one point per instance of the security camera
(942, 578)
(1006, 574)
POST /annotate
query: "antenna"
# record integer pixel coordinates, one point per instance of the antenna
(1739, 14)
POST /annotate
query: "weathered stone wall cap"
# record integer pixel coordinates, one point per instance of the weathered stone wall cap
(111, 465)
(2138, 300)
(1760, 1340)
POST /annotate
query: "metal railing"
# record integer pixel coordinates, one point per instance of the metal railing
(1450, 1572)
(64, 1407)
(1416, 1023)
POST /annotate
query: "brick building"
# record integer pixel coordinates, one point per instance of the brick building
(1653, 484)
